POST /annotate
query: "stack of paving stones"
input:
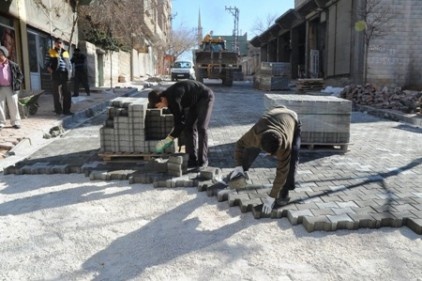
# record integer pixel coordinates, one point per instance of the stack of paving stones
(133, 128)
(325, 119)
(272, 76)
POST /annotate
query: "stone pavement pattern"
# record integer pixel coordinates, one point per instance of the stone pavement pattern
(375, 184)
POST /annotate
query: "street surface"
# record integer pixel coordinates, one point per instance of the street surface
(68, 227)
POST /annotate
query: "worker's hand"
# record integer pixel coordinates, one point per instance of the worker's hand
(163, 144)
(50, 70)
(268, 205)
(237, 172)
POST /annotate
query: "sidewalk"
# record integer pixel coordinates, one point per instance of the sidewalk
(15, 144)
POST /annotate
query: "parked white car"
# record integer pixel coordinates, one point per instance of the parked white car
(182, 70)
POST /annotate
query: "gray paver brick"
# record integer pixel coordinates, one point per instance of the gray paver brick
(317, 223)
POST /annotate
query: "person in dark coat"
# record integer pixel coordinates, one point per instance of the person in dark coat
(277, 132)
(191, 104)
(80, 70)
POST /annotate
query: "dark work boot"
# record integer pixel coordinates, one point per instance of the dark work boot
(192, 163)
(283, 198)
(282, 201)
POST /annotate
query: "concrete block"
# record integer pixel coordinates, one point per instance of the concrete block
(174, 170)
(317, 223)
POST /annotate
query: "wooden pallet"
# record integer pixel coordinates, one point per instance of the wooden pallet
(324, 147)
(129, 156)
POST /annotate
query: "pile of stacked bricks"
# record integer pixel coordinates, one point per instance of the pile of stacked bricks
(131, 127)
(273, 76)
(385, 98)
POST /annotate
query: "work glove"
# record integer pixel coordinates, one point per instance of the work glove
(268, 205)
(163, 144)
(236, 173)
(237, 178)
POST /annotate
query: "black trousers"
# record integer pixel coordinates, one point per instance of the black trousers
(62, 97)
(81, 78)
(250, 154)
(196, 129)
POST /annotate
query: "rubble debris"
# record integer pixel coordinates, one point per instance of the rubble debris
(387, 98)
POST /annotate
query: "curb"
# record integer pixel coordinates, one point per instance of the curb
(393, 115)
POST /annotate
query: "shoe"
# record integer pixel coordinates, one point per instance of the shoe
(88, 94)
(192, 164)
(16, 126)
(75, 96)
(279, 202)
(203, 165)
(68, 113)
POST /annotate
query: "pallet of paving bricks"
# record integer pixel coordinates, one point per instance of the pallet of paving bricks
(324, 147)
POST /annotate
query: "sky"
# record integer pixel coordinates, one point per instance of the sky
(215, 17)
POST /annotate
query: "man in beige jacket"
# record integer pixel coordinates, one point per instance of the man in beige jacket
(277, 132)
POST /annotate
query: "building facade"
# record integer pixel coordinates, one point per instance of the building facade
(326, 39)
(28, 28)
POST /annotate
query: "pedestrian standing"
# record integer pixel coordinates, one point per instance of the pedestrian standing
(11, 79)
(58, 65)
(81, 74)
(191, 104)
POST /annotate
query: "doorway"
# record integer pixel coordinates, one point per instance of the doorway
(38, 44)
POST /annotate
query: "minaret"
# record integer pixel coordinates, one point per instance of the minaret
(199, 28)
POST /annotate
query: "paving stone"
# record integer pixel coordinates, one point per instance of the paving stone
(235, 198)
(342, 221)
(363, 220)
(415, 225)
(99, 175)
(317, 223)
(120, 174)
(322, 212)
(215, 188)
(296, 217)
(247, 205)
(386, 219)
(223, 195)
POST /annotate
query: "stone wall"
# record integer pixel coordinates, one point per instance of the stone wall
(396, 58)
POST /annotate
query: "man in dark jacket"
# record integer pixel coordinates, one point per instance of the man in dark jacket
(277, 132)
(191, 104)
(80, 69)
(58, 64)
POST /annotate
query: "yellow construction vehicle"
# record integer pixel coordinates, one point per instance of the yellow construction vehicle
(213, 61)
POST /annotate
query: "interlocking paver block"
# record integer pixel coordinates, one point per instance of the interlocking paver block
(296, 217)
(342, 221)
(236, 198)
(415, 225)
(317, 223)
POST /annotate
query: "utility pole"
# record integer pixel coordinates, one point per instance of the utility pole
(235, 12)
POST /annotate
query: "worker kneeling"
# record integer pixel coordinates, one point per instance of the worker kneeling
(277, 132)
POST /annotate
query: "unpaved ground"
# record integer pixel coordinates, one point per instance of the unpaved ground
(65, 227)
